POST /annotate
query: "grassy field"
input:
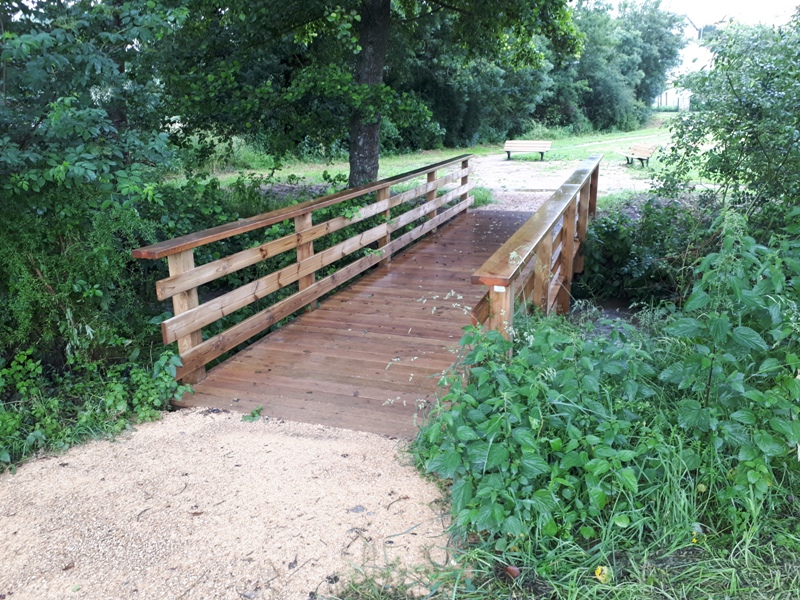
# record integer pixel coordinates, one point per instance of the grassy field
(564, 148)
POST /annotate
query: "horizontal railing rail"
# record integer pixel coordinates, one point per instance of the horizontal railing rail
(537, 263)
(191, 316)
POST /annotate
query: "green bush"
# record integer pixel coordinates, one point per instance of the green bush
(619, 438)
(644, 256)
(44, 409)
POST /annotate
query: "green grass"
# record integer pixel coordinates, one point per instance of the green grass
(483, 196)
(565, 148)
(614, 202)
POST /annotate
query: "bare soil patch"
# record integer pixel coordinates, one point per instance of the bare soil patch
(527, 184)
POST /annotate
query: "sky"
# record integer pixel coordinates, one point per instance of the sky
(705, 12)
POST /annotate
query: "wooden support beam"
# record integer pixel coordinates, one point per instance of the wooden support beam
(583, 223)
(305, 251)
(567, 246)
(180, 263)
(465, 178)
(431, 196)
(383, 194)
(541, 275)
(501, 309)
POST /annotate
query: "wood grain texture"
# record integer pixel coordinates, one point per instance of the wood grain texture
(182, 303)
(505, 264)
(369, 358)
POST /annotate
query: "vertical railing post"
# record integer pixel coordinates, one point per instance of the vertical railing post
(431, 196)
(501, 309)
(542, 273)
(593, 190)
(180, 263)
(464, 179)
(305, 251)
(583, 224)
(383, 194)
(567, 254)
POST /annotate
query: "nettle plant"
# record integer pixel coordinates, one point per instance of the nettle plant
(549, 444)
(734, 366)
(625, 435)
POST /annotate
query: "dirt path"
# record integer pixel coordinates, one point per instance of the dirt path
(203, 505)
(527, 184)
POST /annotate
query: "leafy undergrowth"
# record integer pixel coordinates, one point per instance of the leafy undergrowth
(45, 410)
(603, 460)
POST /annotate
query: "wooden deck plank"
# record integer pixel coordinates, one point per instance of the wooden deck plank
(371, 356)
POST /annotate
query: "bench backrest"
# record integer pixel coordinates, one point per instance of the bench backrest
(527, 145)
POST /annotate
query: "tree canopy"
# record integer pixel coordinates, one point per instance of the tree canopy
(310, 70)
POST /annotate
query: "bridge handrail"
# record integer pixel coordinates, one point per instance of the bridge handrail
(538, 261)
(190, 315)
(221, 232)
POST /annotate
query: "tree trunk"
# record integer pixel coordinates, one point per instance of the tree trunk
(364, 128)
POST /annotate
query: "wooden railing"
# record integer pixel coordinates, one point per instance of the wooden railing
(537, 263)
(190, 316)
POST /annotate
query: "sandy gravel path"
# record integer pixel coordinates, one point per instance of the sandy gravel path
(527, 184)
(204, 505)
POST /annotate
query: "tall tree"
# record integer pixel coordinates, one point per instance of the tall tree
(743, 132)
(320, 64)
(660, 40)
(623, 68)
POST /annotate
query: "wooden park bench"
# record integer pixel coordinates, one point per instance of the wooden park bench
(527, 146)
(640, 152)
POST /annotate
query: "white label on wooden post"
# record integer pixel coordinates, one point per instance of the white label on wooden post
(499, 288)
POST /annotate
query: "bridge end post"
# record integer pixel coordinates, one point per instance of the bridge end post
(501, 309)
(180, 263)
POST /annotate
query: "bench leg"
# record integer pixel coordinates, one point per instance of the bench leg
(542, 153)
(628, 160)
(641, 160)
(509, 154)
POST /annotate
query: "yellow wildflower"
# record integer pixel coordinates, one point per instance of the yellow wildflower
(603, 574)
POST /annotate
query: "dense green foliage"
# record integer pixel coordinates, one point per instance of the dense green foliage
(312, 73)
(456, 73)
(620, 73)
(613, 438)
(645, 255)
(743, 131)
(81, 166)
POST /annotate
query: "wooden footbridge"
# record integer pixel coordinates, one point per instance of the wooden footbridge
(370, 355)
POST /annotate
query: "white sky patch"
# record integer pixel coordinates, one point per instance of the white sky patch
(708, 12)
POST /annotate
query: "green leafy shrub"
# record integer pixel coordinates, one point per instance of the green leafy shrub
(45, 409)
(548, 445)
(646, 255)
(620, 438)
